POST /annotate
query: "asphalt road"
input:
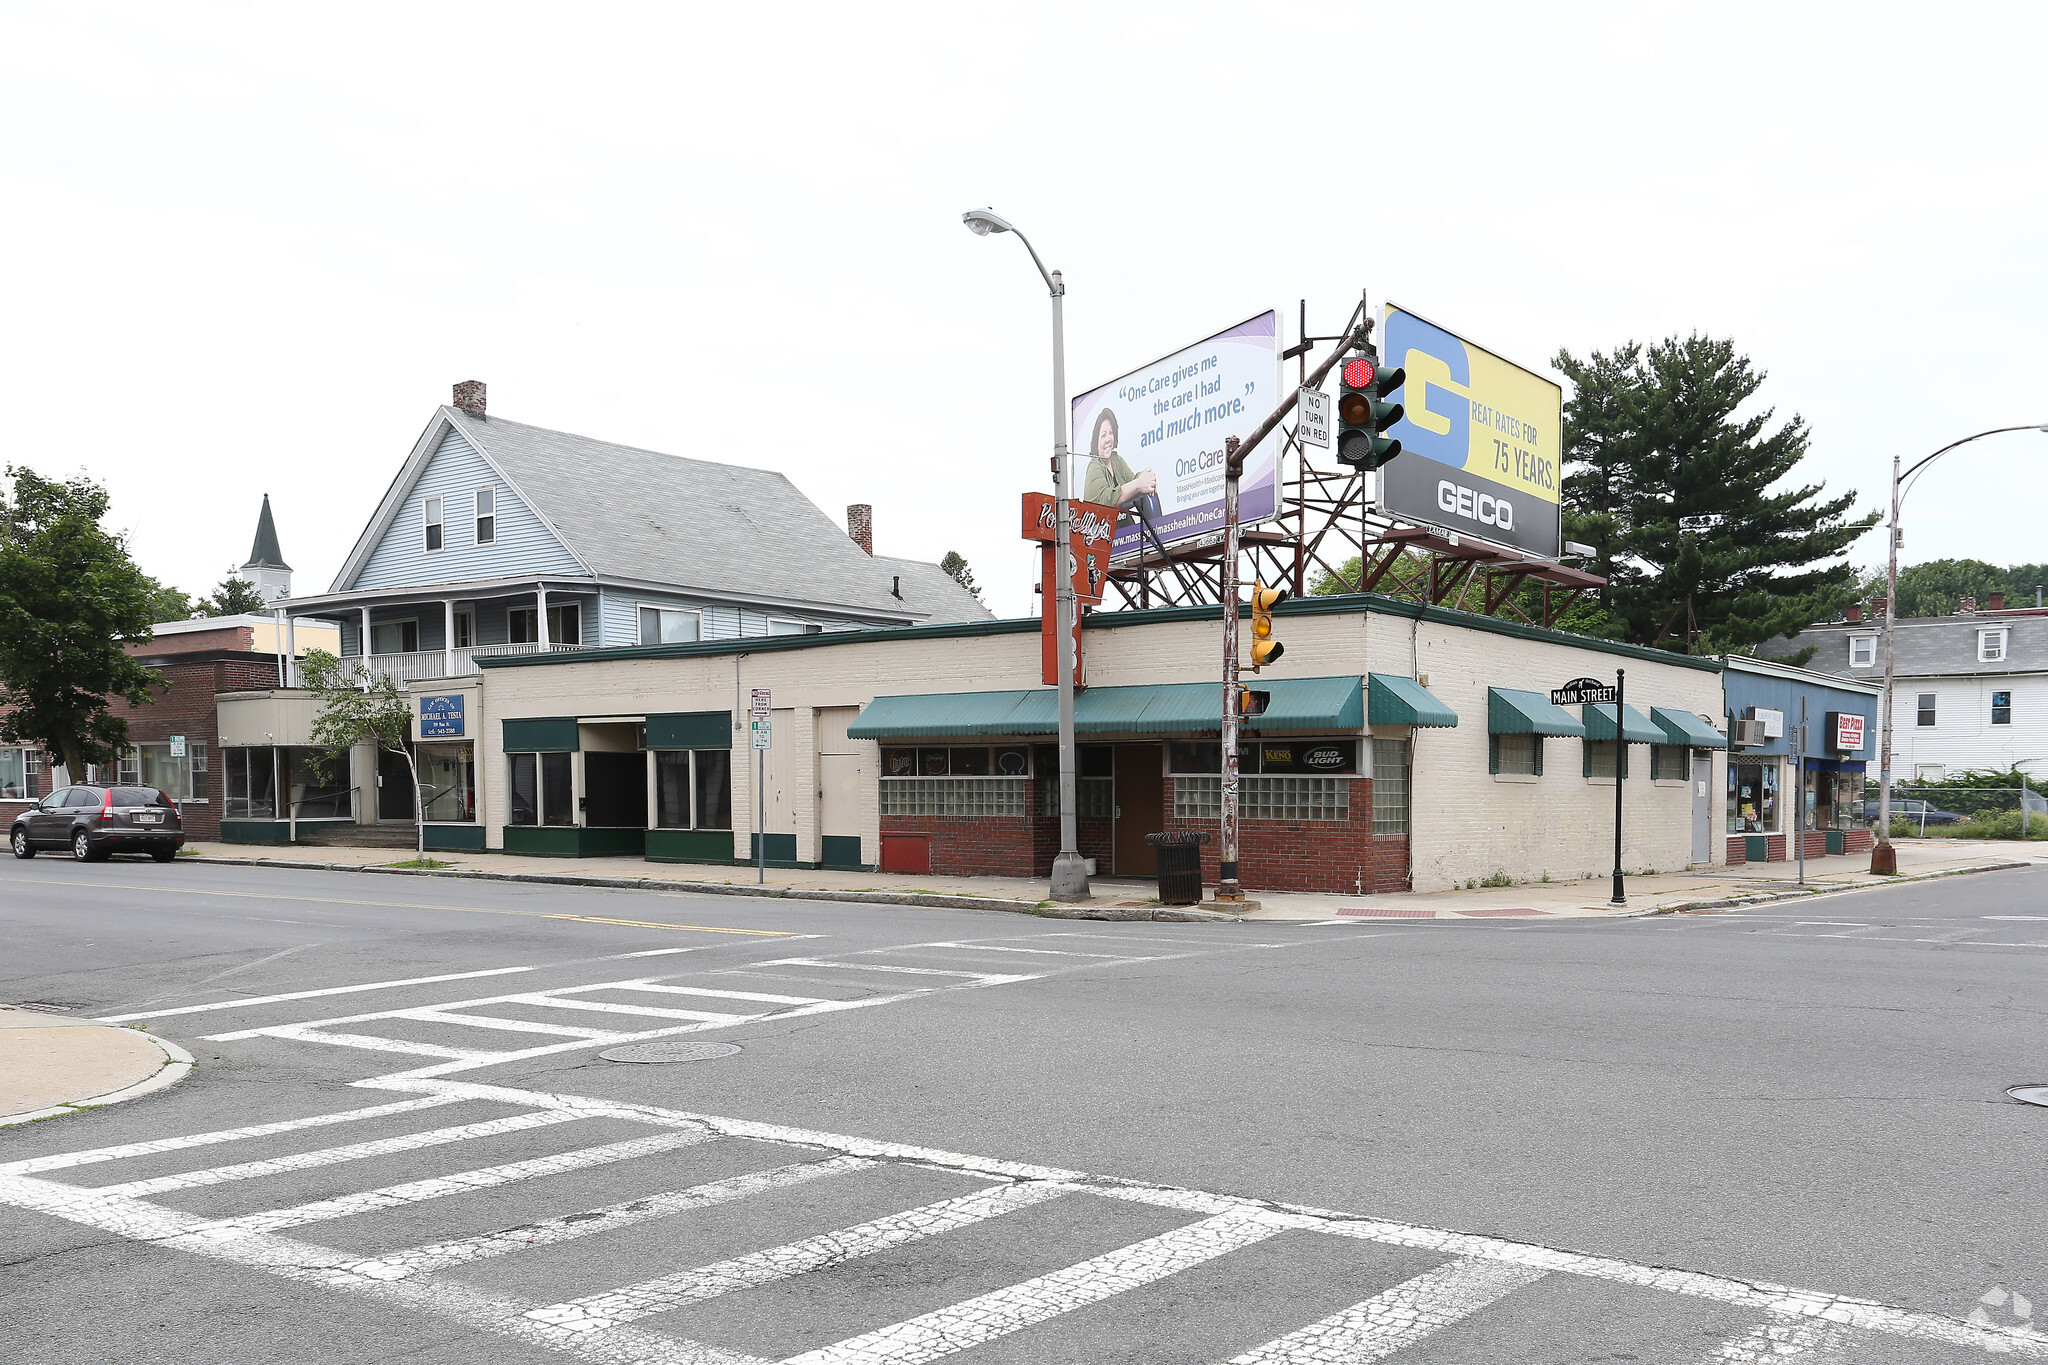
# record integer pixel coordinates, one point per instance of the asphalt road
(1031, 1140)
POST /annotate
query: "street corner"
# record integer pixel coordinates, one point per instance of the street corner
(51, 1064)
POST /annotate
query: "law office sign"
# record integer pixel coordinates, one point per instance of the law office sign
(1481, 439)
(441, 717)
(1580, 691)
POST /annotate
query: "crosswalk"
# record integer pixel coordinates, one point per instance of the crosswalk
(648, 1318)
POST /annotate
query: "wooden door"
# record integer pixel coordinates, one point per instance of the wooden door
(1140, 808)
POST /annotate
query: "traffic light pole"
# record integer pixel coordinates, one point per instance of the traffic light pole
(1228, 886)
(1069, 872)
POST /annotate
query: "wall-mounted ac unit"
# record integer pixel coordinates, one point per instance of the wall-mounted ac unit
(1746, 734)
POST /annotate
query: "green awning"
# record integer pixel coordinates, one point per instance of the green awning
(1394, 700)
(1298, 704)
(1683, 727)
(1635, 726)
(542, 735)
(1509, 712)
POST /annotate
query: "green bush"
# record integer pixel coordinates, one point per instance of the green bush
(1500, 878)
(2004, 825)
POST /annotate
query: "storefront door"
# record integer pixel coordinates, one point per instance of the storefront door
(1702, 806)
(1140, 808)
(394, 785)
(615, 790)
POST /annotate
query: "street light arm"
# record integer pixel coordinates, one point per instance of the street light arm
(1995, 431)
(1057, 287)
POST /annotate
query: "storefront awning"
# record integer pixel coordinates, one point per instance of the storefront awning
(1683, 727)
(1509, 712)
(1393, 700)
(1635, 726)
(1335, 705)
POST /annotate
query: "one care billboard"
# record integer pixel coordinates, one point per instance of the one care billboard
(1480, 439)
(1150, 443)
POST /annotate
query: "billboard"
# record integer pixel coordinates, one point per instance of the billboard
(1150, 443)
(1481, 439)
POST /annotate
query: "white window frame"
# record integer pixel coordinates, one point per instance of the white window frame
(558, 610)
(639, 607)
(482, 516)
(802, 627)
(432, 525)
(532, 636)
(1991, 646)
(465, 629)
(414, 621)
(1869, 659)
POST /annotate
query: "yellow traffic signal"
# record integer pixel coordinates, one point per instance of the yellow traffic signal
(1265, 649)
(1252, 701)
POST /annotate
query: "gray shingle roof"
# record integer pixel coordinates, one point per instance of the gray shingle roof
(929, 588)
(711, 528)
(1926, 646)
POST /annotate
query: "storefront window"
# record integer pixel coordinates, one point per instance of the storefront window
(525, 788)
(13, 774)
(182, 777)
(318, 786)
(448, 781)
(251, 779)
(557, 789)
(674, 784)
(1753, 797)
(1257, 755)
(1669, 763)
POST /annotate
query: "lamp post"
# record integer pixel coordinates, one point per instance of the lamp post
(1884, 859)
(1069, 873)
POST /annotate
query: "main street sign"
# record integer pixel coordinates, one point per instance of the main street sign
(1579, 691)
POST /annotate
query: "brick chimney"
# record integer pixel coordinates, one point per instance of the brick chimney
(860, 524)
(1855, 613)
(1967, 607)
(469, 396)
(1996, 602)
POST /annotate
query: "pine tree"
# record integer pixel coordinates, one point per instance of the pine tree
(955, 567)
(234, 596)
(1655, 435)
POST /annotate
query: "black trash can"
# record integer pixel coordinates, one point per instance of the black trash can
(1180, 866)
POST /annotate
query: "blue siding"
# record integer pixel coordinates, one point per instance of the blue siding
(720, 621)
(1744, 690)
(524, 544)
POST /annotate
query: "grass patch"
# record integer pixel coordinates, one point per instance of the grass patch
(421, 864)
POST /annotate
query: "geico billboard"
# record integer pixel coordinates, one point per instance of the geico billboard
(1480, 439)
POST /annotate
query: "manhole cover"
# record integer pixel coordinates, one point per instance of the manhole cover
(2030, 1094)
(669, 1052)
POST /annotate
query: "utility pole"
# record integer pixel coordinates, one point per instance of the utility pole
(1884, 859)
(1356, 331)
(1799, 799)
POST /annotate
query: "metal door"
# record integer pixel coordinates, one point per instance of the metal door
(840, 780)
(1140, 809)
(1702, 806)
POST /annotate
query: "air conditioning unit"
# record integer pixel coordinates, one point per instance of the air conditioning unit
(1746, 734)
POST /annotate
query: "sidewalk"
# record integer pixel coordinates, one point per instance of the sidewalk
(1133, 898)
(51, 1064)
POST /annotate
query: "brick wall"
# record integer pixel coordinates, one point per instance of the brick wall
(1336, 856)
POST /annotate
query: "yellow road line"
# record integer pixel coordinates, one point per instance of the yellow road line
(415, 905)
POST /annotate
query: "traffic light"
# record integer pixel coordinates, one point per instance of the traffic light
(1253, 701)
(1364, 412)
(1265, 649)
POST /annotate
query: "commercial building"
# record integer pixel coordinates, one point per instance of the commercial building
(1406, 746)
(1780, 782)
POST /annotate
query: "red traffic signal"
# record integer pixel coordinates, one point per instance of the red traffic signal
(1358, 372)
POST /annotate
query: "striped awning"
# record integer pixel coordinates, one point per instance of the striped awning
(1329, 705)
(1683, 727)
(1393, 700)
(1635, 726)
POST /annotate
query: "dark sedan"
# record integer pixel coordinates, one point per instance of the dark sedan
(94, 822)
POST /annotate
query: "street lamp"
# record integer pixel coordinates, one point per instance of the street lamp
(1069, 873)
(1884, 859)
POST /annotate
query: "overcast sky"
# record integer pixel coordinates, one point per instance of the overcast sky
(249, 249)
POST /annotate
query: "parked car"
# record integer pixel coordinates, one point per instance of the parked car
(1918, 812)
(95, 821)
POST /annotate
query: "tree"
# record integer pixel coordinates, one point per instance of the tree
(233, 596)
(955, 567)
(70, 598)
(1655, 437)
(357, 708)
(167, 603)
(1937, 587)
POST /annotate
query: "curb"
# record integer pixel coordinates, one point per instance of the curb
(177, 1066)
(1736, 902)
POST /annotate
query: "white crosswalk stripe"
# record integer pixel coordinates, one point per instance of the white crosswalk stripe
(1396, 1318)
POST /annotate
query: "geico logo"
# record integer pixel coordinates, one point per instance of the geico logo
(1483, 508)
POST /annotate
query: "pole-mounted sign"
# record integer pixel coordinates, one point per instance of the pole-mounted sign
(1314, 425)
(1580, 691)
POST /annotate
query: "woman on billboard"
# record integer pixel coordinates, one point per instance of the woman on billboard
(1110, 481)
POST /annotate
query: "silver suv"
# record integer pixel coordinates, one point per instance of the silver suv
(94, 821)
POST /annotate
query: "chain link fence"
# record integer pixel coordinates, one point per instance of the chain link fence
(1943, 810)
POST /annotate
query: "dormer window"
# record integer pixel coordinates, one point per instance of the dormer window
(486, 516)
(433, 524)
(1991, 646)
(1862, 651)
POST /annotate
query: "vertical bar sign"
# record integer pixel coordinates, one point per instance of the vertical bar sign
(763, 730)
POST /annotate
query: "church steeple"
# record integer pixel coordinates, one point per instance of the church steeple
(266, 567)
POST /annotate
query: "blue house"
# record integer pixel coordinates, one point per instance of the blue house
(1780, 781)
(497, 538)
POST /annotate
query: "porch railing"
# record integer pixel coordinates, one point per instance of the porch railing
(449, 663)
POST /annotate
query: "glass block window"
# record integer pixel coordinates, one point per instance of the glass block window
(960, 797)
(1094, 797)
(1264, 798)
(1390, 786)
